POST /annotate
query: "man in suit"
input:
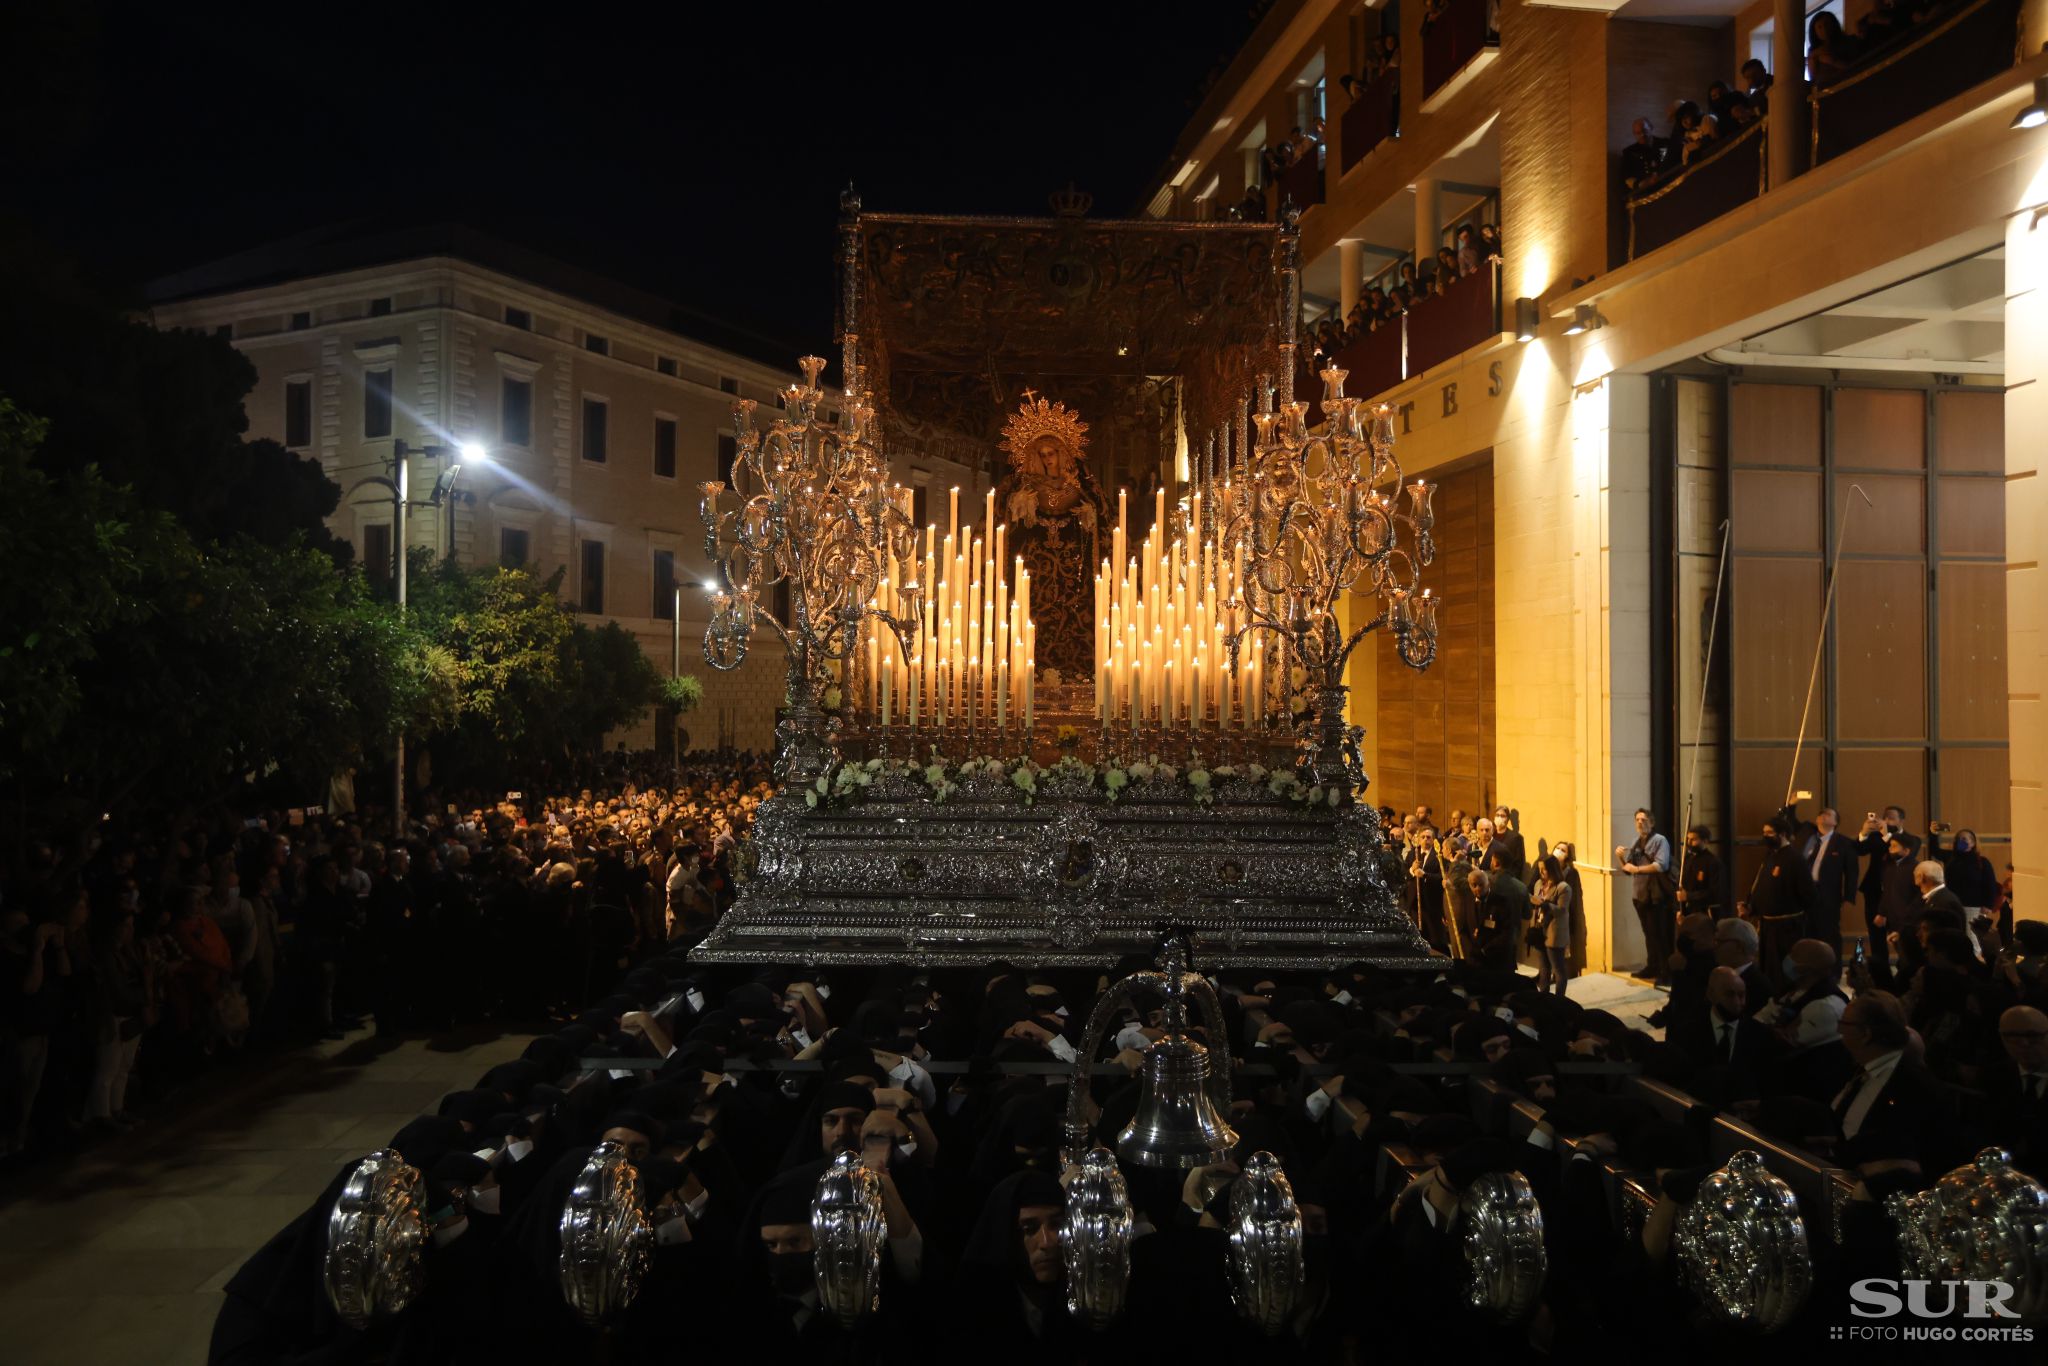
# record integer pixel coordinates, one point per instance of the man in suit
(1830, 859)
(1876, 845)
(1930, 879)
(1724, 1037)
(2016, 1101)
(1891, 1111)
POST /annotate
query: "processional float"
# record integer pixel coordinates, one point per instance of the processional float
(928, 811)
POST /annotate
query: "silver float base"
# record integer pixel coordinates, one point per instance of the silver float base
(1070, 879)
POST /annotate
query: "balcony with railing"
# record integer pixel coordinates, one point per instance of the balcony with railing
(1435, 328)
(1374, 116)
(1303, 182)
(1459, 39)
(1908, 75)
(1733, 171)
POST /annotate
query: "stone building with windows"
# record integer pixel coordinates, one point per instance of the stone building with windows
(597, 411)
(1835, 298)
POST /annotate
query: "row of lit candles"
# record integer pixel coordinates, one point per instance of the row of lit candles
(973, 646)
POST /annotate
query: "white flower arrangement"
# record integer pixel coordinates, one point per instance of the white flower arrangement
(848, 781)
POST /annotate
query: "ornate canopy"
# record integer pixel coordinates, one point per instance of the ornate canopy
(957, 315)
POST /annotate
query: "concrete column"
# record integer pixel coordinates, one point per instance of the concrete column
(1350, 273)
(1789, 133)
(1428, 221)
(2026, 549)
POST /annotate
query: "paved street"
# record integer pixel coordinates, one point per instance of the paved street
(119, 1256)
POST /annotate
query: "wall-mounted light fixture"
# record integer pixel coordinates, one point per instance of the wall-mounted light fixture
(2035, 114)
(1525, 320)
(1585, 317)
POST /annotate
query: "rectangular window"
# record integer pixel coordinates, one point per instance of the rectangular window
(592, 599)
(664, 584)
(514, 547)
(298, 413)
(301, 321)
(377, 565)
(596, 418)
(917, 505)
(728, 385)
(728, 456)
(376, 404)
(515, 412)
(666, 365)
(380, 308)
(664, 448)
(519, 318)
(601, 345)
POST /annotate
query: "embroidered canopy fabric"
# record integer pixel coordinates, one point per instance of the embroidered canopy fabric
(957, 315)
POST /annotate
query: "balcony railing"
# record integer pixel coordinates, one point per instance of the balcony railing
(1733, 173)
(1452, 39)
(1372, 118)
(1906, 78)
(1462, 316)
(1303, 181)
(1432, 331)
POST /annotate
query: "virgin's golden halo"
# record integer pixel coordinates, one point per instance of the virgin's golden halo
(1037, 418)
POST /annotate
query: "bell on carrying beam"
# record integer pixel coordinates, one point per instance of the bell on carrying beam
(1176, 1124)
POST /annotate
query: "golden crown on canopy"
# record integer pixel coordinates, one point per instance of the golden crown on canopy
(1037, 419)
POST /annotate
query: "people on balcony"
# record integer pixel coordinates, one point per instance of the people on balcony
(1694, 131)
(1382, 54)
(1643, 160)
(1831, 53)
(1756, 85)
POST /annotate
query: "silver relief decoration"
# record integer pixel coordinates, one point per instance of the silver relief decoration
(1068, 881)
(607, 1243)
(376, 1237)
(1265, 1245)
(1984, 1221)
(1741, 1247)
(1505, 1260)
(1096, 1242)
(848, 1230)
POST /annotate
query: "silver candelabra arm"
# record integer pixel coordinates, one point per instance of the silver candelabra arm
(1106, 1007)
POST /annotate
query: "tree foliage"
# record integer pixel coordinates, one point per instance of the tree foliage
(530, 682)
(158, 411)
(138, 661)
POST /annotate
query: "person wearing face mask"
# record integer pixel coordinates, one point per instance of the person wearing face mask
(1972, 877)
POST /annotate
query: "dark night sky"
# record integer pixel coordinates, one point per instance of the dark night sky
(699, 160)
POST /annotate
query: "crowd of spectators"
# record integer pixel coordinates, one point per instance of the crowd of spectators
(731, 1088)
(1694, 130)
(1476, 247)
(185, 939)
(1832, 52)
(1382, 56)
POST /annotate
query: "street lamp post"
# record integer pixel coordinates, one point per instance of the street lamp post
(675, 670)
(399, 482)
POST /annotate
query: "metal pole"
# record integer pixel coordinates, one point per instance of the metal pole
(1827, 607)
(1700, 719)
(399, 461)
(675, 670)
